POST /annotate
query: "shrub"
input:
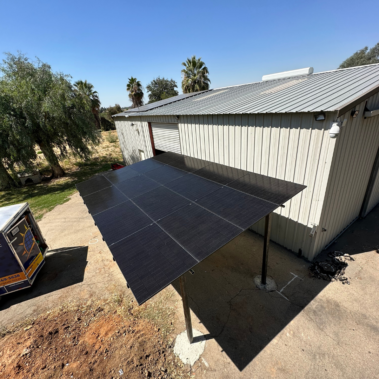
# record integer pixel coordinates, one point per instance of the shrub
(111, 138)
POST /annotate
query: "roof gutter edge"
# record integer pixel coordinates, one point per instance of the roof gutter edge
(351, 104)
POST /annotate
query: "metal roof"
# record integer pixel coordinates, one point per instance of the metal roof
(157, 104)
(325, 91)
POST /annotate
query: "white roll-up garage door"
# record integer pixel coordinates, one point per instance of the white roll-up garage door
(166, 137)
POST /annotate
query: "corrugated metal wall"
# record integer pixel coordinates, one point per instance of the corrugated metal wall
(133, 138)
(353, 160)
(293, 147)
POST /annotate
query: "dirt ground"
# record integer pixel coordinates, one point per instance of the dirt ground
(93, 341)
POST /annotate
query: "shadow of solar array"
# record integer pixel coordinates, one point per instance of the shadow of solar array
(162, 216)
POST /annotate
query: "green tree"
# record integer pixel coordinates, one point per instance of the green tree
(134, 87)
(195, 75)
(161, 88)
(87, 89)
(52, 114)
(107, 122)
(115, 109)
(362, 57)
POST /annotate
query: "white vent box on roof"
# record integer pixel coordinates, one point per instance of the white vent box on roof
(288, 74)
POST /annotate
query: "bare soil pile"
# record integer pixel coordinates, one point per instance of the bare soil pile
(88, 343)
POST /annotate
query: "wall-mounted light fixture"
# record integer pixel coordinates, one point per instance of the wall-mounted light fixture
(354, 113)
(131, 124)
(320, 116)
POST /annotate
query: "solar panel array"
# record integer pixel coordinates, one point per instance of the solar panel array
(162, 216)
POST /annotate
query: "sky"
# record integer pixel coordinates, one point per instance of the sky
(107, 42)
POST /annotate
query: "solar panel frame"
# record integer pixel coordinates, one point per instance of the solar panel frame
(197, 205)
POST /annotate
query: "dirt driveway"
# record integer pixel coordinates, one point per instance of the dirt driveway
(307, 329)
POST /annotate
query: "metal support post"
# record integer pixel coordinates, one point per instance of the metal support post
(265, 248)
(187, 313)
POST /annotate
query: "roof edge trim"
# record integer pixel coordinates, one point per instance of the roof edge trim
(351, 104)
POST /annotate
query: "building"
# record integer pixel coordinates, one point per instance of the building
(318, 129)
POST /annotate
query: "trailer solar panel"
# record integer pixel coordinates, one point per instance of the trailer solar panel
(162, 216)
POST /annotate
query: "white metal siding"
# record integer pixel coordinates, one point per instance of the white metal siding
(133, 138)
(166, 137)
(355, 151)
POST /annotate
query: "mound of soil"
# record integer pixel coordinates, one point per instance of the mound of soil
(87, 344)
(333, 268)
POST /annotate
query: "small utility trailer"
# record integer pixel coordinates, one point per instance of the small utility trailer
(22, 248)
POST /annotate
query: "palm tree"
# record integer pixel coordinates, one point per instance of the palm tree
(195, 75)
(134, 87)
(87, 90)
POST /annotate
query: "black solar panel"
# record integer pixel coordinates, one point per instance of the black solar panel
(181, 162)
(120, 175)
(239, 208)
(160, 202)
(146, 165)
(165, 174)
(200, 232)
(121, 221)
(220, 173)
(193, 187)
(161, 216)
(103, 200)
(136, 186)
(271, 189)
(97, 183)
(150, 260)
